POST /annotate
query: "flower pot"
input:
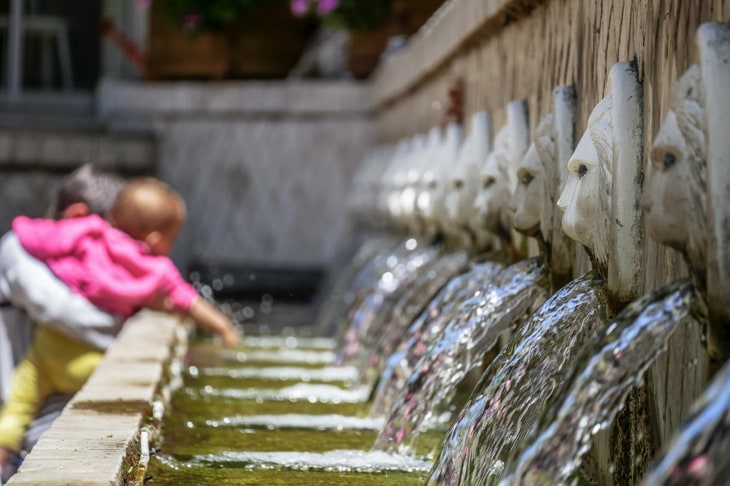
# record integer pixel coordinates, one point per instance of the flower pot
(268, 42)
(174, 54)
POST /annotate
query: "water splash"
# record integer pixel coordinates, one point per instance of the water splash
(511, 296)
(299, 421)
(347, 374)
(516, 387)
(298, 392)
(408, 307)
(274, 342)
(358, 274)
(280, 356)
(370, 312)
(698, 453)
(455, 299)
(609, 368)
(331, 461)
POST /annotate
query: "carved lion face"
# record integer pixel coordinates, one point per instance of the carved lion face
(529, 196)
(532, 201)
(493, 193)
(674, 199)
(462, 188)
(585, 200)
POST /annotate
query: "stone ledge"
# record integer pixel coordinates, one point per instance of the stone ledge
(89, 442)
(452, 26)
(119, 100)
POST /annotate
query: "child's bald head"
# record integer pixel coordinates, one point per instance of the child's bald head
(151, 211)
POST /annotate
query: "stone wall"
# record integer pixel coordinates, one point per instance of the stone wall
(265, 167)
(33, 161)
(506, 50)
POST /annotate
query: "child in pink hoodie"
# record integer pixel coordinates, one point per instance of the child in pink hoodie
(119, 265)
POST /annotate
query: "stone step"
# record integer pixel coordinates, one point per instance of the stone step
(64, 150)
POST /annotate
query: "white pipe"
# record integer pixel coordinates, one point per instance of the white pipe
(144, 446)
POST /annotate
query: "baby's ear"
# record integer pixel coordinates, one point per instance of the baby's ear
(76, 210)
(153, 239)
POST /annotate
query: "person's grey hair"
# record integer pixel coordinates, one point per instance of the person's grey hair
(89, 185)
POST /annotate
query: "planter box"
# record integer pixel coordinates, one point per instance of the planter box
(173, 54)
(263, 44)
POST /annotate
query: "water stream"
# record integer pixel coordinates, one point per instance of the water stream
(393, 275)
(510, 297)
(698, 454)
(457, 298)
(234, 427)
(519, 383)
(608, 369)
(286, 409)
(410, 305)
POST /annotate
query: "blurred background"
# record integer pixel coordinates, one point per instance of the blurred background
(257, 111)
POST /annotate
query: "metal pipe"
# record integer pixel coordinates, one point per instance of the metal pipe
(15, 51)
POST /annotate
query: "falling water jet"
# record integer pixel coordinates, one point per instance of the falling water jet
(512, 295)
(518, 384)
(698, 453)
(458, 298)
(607, 371)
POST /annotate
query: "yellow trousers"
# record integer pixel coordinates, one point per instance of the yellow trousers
(53, 364)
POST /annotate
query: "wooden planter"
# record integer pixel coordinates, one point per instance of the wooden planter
(263, 44)
(267, 43)
(173, 54)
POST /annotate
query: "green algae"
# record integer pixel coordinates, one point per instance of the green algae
(187, 441)
(160, 475)
(203, 408)
(186, 433)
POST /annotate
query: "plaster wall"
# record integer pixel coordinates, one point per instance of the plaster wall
(265, 167)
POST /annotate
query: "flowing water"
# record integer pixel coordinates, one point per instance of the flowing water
(229, 425)
(609, 368)
(519, 383)
(457, 298)
(512, 295)
(408, 307)
(698, 454)
(357, 274)
(395, 272)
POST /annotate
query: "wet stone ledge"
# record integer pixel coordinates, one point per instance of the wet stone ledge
(91, 442)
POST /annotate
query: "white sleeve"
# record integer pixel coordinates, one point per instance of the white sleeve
(30, 285)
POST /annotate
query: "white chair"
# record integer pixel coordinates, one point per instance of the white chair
(48, 28)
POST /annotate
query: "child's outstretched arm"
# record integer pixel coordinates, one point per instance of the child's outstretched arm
(211, 319)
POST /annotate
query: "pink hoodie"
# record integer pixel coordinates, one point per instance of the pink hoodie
(107, 266)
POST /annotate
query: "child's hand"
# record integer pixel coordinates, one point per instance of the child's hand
(231, 337)
(211, 319)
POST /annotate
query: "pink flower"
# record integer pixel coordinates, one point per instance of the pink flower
(326, 6)
(191, 21)
(300, 7)
(144, 3)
